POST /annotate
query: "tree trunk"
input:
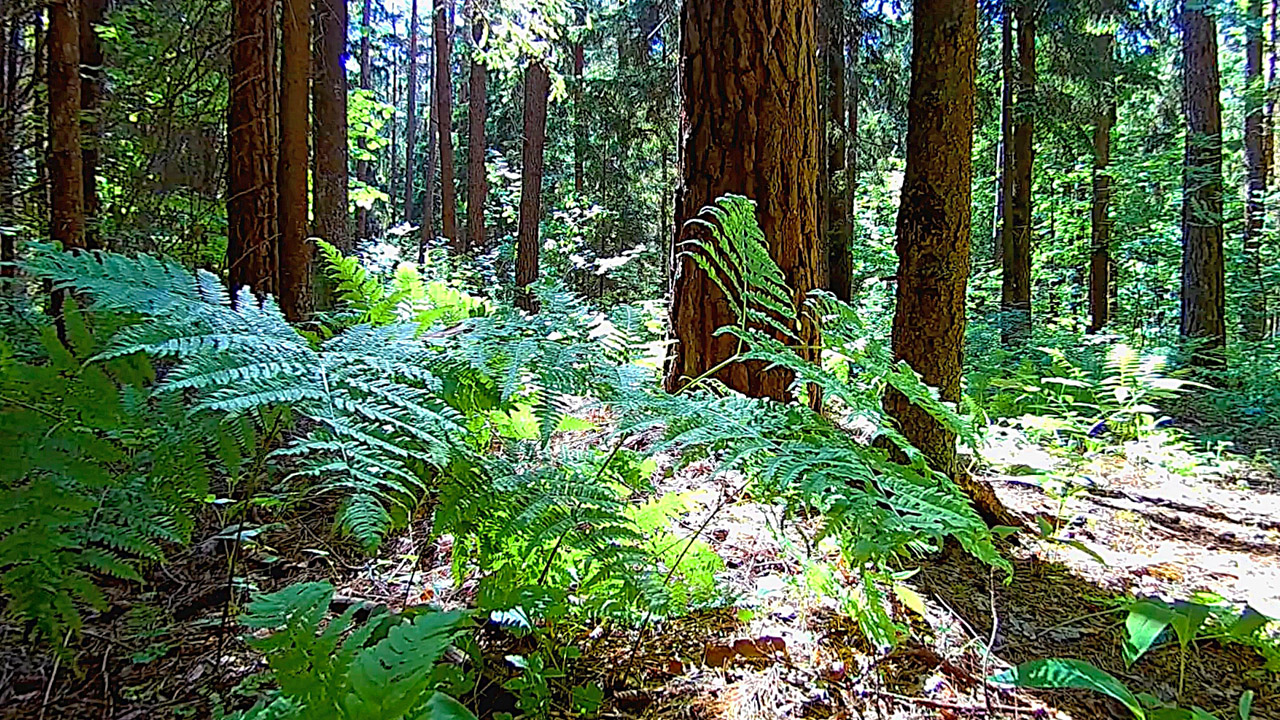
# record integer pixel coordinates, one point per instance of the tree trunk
(749, 125)
(92, 13)
(537, 84)
(934, 221)
(444, 113)
(9, 41)
(1015, 289)
(251, 207)
(66, 167)
(477, 181)
(329, 103)
(839, 258)
(1255, 310)
(851, 146)
(366, 83)
(1100, 251)
(411, 117)
(1003, 225)
(579, 116)
(1203, 284)
(295, 71)
(393, 156)
(426, 233)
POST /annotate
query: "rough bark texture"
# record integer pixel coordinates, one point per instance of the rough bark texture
(477, 181)
(251, 207)
(1255, 310)
(1003, 225)
(427, 231)
(1203, 286)
(579, 116)
(839, 260)
(92, 12)
(329, 103)
(296, 253)
(444, 111)
(1100, 220)
(411, 116)
(366, 83)
(749, 125)
(1268, 133)
(8, 116)
(934, 222)
(1015, 288)
(537, 84)
(851, 146)
(66, 169)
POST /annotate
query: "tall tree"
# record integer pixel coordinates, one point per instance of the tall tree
(444, 113)
(426, 233)
(411, 116)
(329, 103)
(1255, 169)
(366, 84)
(1003, 225)
(92, 13)
(1203, 281)
(1015, 289)
(579, 114)
(251, 206)
(296, 254)
(1100, 220)
(934, 221)
(9, 41)
(66, 167)
(748, 125)
(537, 84)
(477, 180)
(839, 258)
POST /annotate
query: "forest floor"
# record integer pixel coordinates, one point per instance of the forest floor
(1165, 521)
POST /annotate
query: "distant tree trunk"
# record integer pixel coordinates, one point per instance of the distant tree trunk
(1255, 311)
(11, 46)
(66, 166)
(748, 125)
(426, 233)
(579, 116)
(851, 161)
(366, 83)
(477, 181)
(411, 117)
(1003, 225)
(1269, 130)
(444, 113)
(839, 258)
(92, 13)
(329, 103)
(1203, 283)
(537, 84)
(934, 221)
(251, 206)
(1100, 251)
(1015, 290)
(393, 155)
(296, 254)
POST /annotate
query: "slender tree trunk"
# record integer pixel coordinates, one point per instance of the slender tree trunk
(411, 117)
(329, 103)
(8, 116)
(444, 113)
(92, 13)
(1203, 282)
(1255, 311)
(66, 168)
(296, 253)
(1003, 225)
(1015, 290)
(537, 84)
(748, 125)
(477, 181)
(366, 84)
(839, 257)
(579, 114)
(426, 232)
(251, 247)
(394, 154)
(1100, 251)
(851, 161)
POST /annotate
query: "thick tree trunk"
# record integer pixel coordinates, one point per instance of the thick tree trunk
(329, 103)
(1015, 289)
(66, 166)
(477, 181)
(366, 83)
(1003, 225)
(1100, 250)
(411, 117)
(251, 206)
(536, 87)
(296, 254)
(426, 233)
(1255, 310)
(444, 111)
(1203, 283)
(92, 12)
(839, 259)
(749, 125)
(934, 221)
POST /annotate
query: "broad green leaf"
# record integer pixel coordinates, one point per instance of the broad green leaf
(443, 707)
(1247, 624)
(1147, 619)
(1062, 673)
(1246, 705)
(1187, 619)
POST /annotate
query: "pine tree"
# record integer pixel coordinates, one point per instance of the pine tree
(411, 116)
(296, 253)
(477, 180)
(66, 167)
(1015, 290)
(329, 105)
(251, 206)
(537, 85)
(1255, 162)
(444, 111)
(92, 13)
(1099, 215)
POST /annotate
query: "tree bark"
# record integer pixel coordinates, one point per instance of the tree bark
(579, 116)
(537, 84)
(477, 181)
(329, 103)
(1015, 289)
(92, 12)
(411, 117)
(9, 41)
(251, 206)
(1203, 282)
(749, 125)
(366, 83)
(1003, 225)
(1100, 250)
(66, 165)
(851, 146)
(839, 259)
(444, 111)
(426, 233)
(1255, 310)
(296, 253)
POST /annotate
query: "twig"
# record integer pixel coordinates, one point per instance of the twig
(53, 675)
(991, 640)
(942, 704)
